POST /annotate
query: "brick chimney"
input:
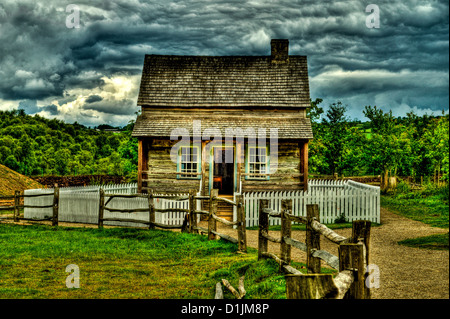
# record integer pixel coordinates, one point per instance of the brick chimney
(279, 50)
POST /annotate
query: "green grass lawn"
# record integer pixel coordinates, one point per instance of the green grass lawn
(429, 206)
(127, 263)
(431, 210)
(437, 242)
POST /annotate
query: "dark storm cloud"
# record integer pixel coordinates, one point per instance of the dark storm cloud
(93, 98)
(31, 107)
(122, 107)
(403, 64)
(52, 109)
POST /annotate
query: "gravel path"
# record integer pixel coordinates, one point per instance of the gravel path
(405, 272)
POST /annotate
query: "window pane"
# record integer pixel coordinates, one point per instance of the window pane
(188, 161)
(257, 161)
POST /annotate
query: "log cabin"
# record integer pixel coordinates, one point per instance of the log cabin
(234, 123)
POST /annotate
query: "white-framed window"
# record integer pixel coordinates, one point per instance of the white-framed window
(257, 162)
(188, 162)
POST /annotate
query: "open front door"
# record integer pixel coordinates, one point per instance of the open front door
(223, 170)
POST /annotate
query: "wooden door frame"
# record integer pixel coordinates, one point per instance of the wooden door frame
(211, 165)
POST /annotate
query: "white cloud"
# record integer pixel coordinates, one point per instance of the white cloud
(258, 39)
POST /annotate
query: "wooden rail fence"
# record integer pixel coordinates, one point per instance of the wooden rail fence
(213, 219)
(190, 222)
(351, 262)
(151, 209)
(17, 206)
(350, 283)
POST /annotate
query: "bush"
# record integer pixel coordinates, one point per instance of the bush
(402, 188)
(444, 193)
(341, 219)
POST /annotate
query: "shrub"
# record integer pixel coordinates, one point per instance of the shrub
(402, 188)
(341, 219)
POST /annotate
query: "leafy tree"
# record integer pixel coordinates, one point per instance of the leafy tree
(336, 125)
(62, 158)
(437, 140)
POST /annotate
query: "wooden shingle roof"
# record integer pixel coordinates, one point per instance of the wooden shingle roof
(224, 82)
(160, 123)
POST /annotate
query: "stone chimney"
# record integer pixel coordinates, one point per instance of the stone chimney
(279, 50)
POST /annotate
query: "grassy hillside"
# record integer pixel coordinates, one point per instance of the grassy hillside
(33, 145)
(11, 181)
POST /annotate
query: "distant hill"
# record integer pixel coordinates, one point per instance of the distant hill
(36, 146)
(11, 181)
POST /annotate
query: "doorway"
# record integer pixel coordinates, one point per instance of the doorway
(223, 170)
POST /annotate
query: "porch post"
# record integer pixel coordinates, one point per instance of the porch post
(139, 177)
(303, 145)
(239, 146)
(204, 157)
(143, 147)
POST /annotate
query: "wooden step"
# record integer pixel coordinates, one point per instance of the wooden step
(227, 216)
(224, 210)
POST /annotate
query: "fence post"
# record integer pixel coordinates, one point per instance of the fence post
(361, 232)
(101, 208)
(212, 224)
(151, 209)
(263, 227)
(286, 206)
(16, 204)
(312, 239)
(351, 257)
(242, 235)
(55, 206)
(192, 208)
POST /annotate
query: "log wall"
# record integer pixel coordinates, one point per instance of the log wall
(161, 170)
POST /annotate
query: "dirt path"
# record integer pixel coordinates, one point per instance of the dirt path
(405, 272)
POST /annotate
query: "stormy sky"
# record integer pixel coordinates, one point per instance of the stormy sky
(91, 74)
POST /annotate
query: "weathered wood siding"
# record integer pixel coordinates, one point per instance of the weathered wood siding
(162, 170)
(287, 175)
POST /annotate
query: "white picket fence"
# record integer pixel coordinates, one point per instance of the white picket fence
(81, 205)
(352, 199)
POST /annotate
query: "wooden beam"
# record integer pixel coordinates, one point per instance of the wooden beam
(361, 233)
(212, 225)
(204, 178)
(351, 257)
(312, 239)
(101, 207)
(311, 286)
(239, 163)
(242, 235)
(263, 228)
(16, 205)
(303, 145)
(219, 291)
(151, 209)
(192, 215)
(140, 166)
(285, 249)
(226, 237)
(143, 149)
